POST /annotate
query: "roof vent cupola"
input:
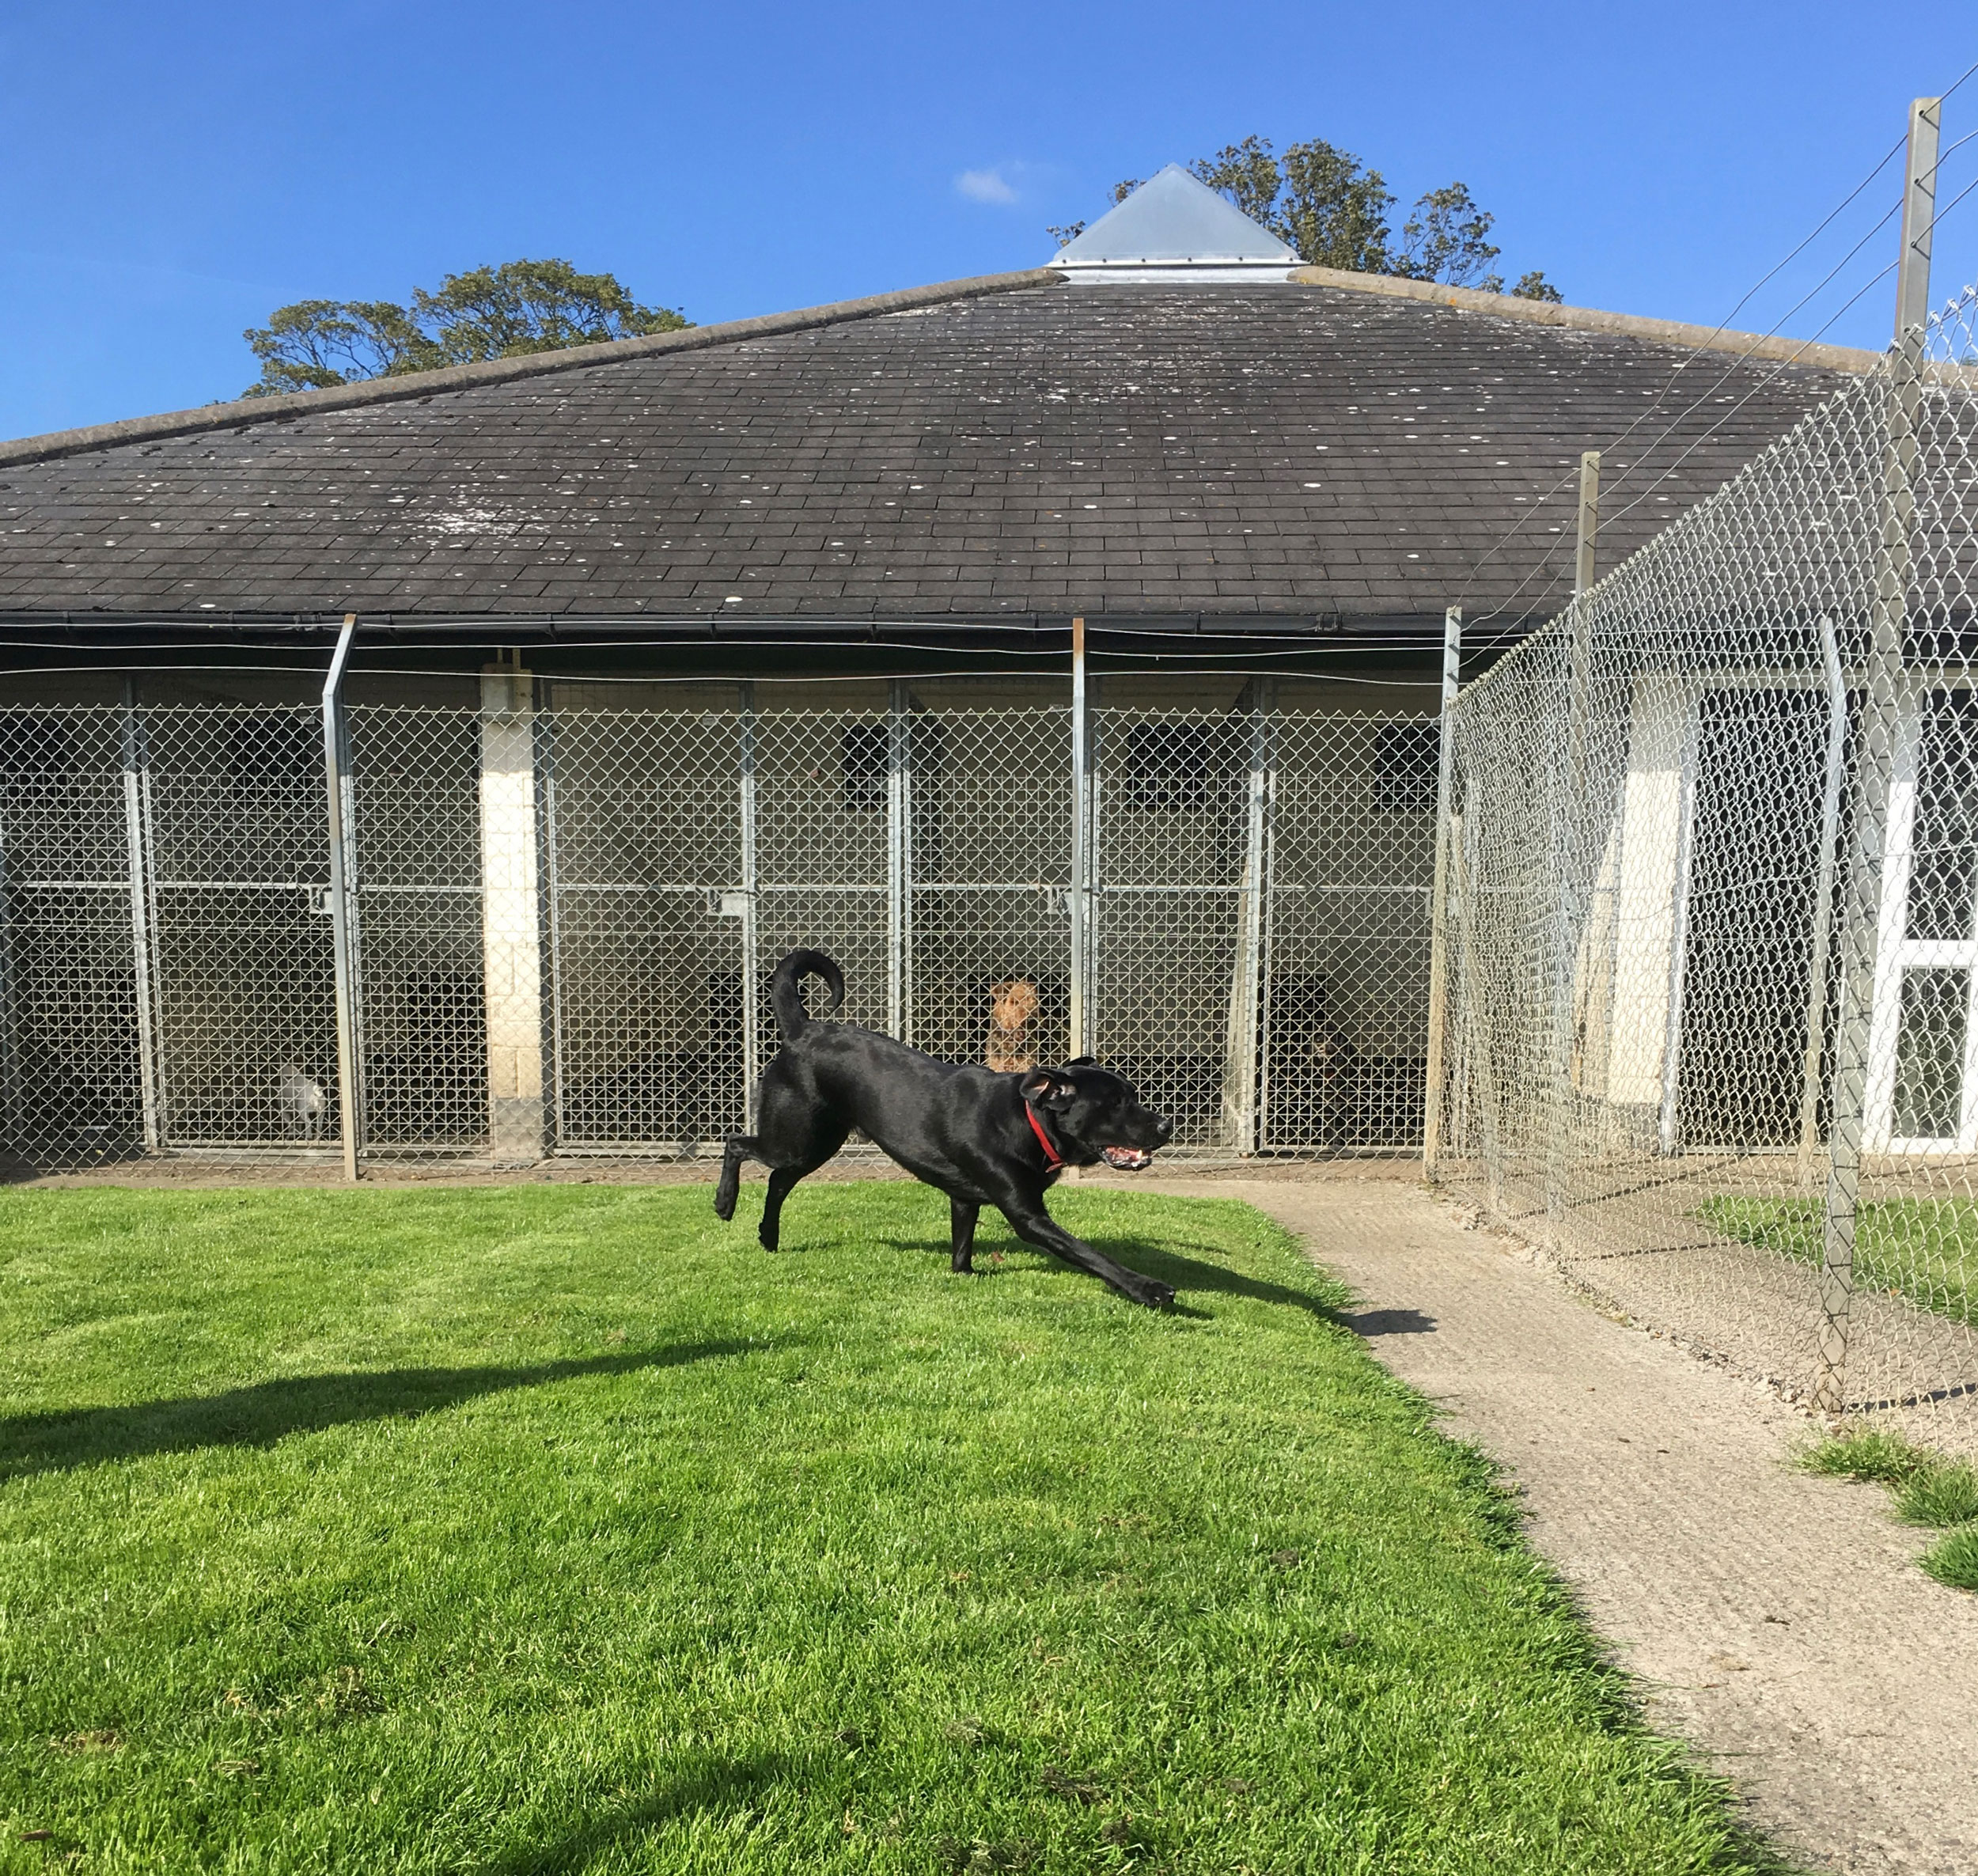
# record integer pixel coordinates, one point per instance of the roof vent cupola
(1175, 229)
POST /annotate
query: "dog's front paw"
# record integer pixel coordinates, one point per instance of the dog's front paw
(1155, 1295)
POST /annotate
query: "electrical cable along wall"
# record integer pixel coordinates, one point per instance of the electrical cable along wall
(557, 922)
(1712, 909)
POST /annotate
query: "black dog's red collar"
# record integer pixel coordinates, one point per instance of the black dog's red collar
(1053, 1159)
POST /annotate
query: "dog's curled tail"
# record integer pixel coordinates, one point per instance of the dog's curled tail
(785, 990)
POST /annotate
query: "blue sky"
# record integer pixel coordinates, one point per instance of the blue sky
(172, 173)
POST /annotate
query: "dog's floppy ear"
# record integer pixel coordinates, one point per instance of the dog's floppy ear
(1045, 1089)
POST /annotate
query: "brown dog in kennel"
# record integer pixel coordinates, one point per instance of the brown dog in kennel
(1013, 1006)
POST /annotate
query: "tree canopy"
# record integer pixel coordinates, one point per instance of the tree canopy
(502, 312)
(1332, 211)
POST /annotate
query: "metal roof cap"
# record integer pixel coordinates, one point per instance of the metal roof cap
(1175, 223)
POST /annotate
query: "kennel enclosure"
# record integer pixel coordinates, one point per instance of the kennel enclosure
(558, 920)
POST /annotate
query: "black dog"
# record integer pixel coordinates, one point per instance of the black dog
(982, 1138)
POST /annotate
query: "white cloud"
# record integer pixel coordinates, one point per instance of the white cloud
(985, 185)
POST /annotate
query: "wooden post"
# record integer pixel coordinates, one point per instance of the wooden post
(1589, 520)
(1882, 683)
(1569, 811)
(1438, 898)
(1920, 215)
(336, 774)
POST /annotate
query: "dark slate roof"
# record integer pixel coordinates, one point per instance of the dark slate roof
(1241, 450)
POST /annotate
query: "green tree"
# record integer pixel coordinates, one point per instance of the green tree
(1447, 238)
(1332, 211)
(502, 312)
(1534, 285)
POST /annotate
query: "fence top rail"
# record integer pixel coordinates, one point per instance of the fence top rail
(468, 712)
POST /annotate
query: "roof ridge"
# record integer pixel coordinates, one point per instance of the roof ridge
(1588, 318)
(495, 371)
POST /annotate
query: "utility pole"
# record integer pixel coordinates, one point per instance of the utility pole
(1882, 686)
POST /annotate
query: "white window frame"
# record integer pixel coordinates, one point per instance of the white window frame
(1897, 953)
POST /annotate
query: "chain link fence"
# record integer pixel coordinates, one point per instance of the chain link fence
(1711, 912)
(556, 925)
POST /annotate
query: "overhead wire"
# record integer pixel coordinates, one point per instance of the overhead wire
(1509, 633)
(1937, 221)
(1552, 494)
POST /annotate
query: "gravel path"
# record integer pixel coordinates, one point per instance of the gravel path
(1778, 1621)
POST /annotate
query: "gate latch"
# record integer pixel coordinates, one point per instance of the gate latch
(319, 901)
(727, 905)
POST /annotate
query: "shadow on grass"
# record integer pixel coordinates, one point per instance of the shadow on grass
(271, 1410)
(1189, 1275)
(712, 1784)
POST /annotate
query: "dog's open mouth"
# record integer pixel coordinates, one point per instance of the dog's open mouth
(1127, 1159)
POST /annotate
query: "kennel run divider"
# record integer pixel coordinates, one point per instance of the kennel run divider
(555, 923)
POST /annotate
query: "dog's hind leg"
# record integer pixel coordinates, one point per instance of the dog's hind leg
(961, 1225)
(1036, 1227)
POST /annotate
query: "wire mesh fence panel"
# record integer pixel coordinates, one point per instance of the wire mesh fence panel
(648, 908)
(424, 960)
(1346, 983)
(826, 832)
(988, 815)
(72, 1075)
(1174, 888)
(242, 973)
(560, 924)
(1712, 947)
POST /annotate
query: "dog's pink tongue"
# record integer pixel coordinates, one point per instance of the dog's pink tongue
(1128, 1159)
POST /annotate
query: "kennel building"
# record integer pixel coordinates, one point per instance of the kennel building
(431, 769)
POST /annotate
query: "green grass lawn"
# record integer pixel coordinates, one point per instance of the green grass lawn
(1925, 1250)
(561, 1529)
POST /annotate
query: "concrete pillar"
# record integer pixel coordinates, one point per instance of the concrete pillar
(511, 940)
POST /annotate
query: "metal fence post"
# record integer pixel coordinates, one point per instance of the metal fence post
(1079, 903)
(336, 770)
(751, 988)
(1882, 684)
(1243, 1070)
(137, 818)
(1435, 1074)
(1832, 774)
(899, 862)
